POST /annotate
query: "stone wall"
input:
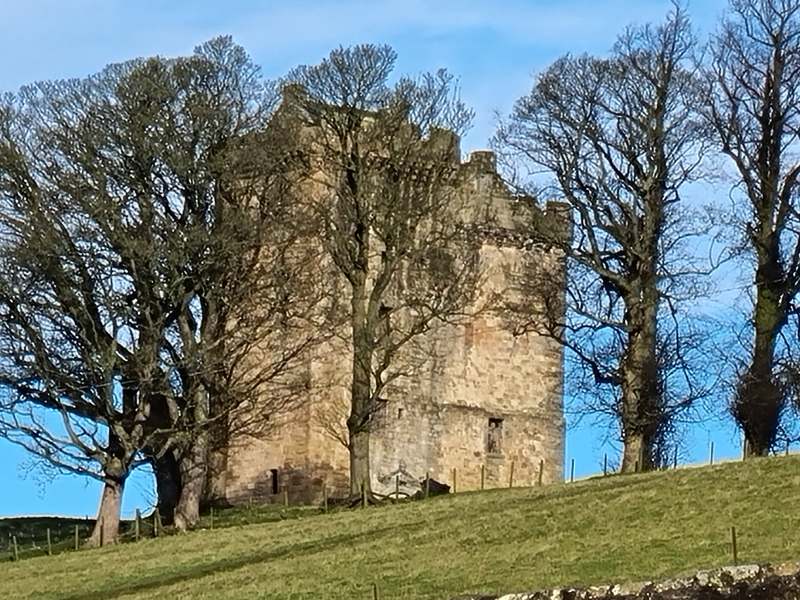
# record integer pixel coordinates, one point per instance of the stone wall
(478, 377)
(749, 582)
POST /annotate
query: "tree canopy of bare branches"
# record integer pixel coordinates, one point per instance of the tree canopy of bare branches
(382, 181)
(154, 290)
(752, 104)
(619, 137)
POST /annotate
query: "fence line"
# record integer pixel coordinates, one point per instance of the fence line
(64, 537)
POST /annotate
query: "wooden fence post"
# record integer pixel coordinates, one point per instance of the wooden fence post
(511, 476)
(744, 449)
(137, 525)
(211, 518)
(427, 484)
(397, 487)
(675, 459)
(605, 464)
(375, 592)
(572, 471)
(100, 526)
(363, 494)
(325, 496)
(49, 544)
(711, 454)
(454, 480)
(733, 546)
(155, 523)
(541, 471)
(16, 549)
(285, 497)
(77, 538)
(483, 477)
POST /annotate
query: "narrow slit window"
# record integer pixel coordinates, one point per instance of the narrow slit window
(275, 481)
(494, 443)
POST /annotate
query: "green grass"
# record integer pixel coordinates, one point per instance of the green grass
(31, 532)
(31, 535)
(596, 531)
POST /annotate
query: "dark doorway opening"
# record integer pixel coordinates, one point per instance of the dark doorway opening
(275, 481)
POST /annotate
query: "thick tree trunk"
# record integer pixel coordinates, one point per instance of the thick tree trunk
(192, 463)
(759, 399)
(641, 410)
(360, 391)
(358, 422)
(163, 462)
(168, 486)
(106, 528)
(359, 462)
(636, 453)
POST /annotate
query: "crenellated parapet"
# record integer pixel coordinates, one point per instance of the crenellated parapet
(506, 216)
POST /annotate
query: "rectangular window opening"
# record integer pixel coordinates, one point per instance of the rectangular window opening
(494, 443)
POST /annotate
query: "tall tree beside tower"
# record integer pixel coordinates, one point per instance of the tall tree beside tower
(753, 107)
(381, 175)
(155, 288)
(618, 138)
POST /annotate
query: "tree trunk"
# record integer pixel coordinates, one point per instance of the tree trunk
(106, 528)
(358, 425)
(636, 453)
(641, 410)
(168, 486)
(192, 464)
(759, 399)
(359, 462)
(360, 391)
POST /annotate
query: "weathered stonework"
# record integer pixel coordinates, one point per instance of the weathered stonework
(746, 582)
(482, 377)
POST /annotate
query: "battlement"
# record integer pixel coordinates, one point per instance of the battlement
(487, 201)
(482, 161)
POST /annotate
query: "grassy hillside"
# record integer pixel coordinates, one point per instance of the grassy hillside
(31, 532)
(613, 529)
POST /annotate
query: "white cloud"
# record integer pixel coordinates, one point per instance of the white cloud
(494, 46)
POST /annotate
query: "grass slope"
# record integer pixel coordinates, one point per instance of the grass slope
(602, 530)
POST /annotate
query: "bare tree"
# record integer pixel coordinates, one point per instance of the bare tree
(381, 178)
(76, 377)
(619, 138)
(753, 106)
(147, 209)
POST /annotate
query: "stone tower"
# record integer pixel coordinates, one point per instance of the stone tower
(489, 404)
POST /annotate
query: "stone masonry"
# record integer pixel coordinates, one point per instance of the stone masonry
(490, 402)
(745, 582)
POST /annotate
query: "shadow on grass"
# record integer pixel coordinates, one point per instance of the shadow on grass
(152, 583)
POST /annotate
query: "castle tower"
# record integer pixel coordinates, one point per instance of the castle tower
(488, 402)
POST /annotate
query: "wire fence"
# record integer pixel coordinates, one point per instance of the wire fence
(40, 536)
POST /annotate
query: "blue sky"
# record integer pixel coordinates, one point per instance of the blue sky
(495, 47)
